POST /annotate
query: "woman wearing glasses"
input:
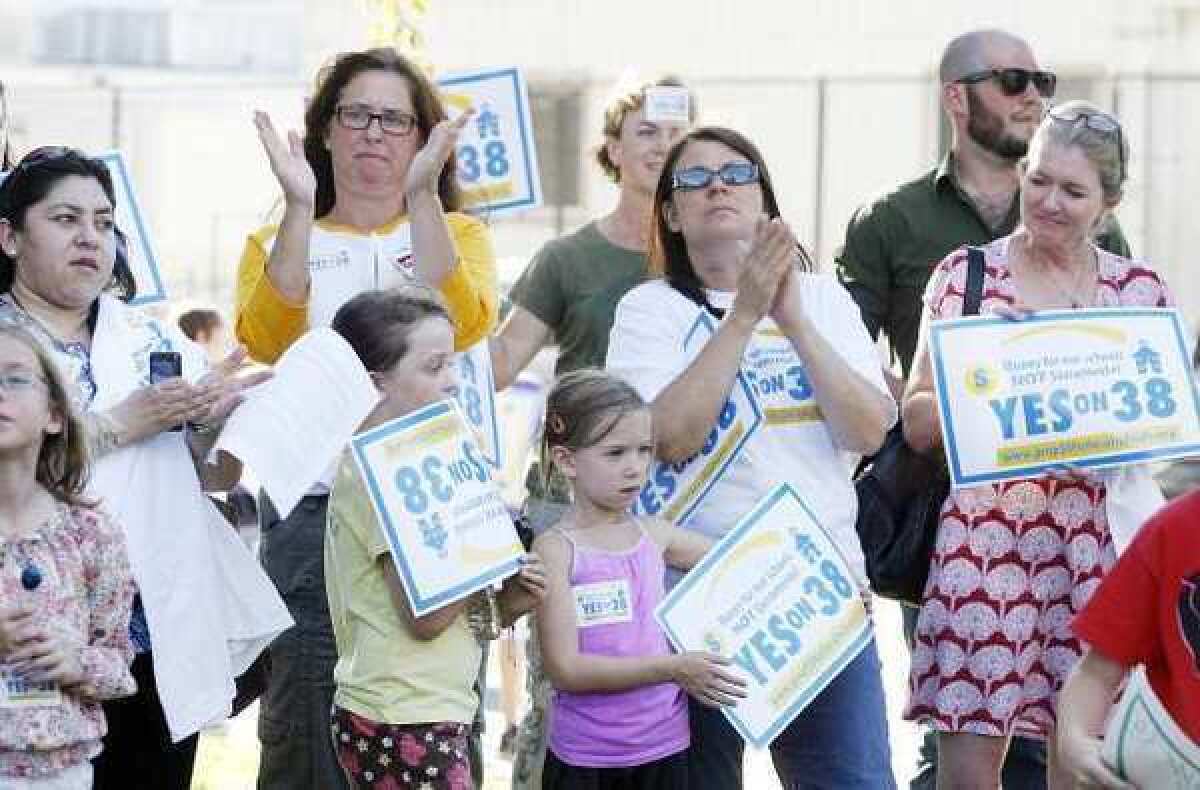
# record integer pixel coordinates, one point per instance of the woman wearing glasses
(721, 250)
(370, 201)
(205, 609)
(978, 692)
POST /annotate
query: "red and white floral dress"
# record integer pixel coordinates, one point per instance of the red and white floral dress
(1014, 562)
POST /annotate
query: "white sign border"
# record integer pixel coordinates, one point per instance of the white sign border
(960, 480)
(533, 185)
(723, 547)
(115, 161)
(421, 605)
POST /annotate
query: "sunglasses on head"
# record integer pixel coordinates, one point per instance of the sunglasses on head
(1097, 121)
(1013, 82)
(732, 174)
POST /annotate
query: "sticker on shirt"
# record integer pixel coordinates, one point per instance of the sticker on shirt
(603, 603)
(780, 382)
(329, 259)
(405, 263)
(17, 691)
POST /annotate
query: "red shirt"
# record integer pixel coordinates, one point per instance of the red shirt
(1147, 609)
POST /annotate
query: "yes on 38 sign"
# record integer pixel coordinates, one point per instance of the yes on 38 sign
(1092, 388)
(477, 399)
(777, 598)
(673, 491)
(447, 527)
(497, 159)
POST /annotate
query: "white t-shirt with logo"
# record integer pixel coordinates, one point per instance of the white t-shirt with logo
(794, 444)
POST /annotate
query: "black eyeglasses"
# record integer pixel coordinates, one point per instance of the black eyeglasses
(394, 122)
(1097, 121)
(732, 174)
(1013, 82)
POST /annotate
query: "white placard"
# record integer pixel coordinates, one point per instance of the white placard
(497, 156)
(292, 428)
(778, 599)
(448, 529)
(1089, 388)
(1144, 745)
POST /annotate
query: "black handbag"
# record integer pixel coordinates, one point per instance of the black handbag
(900, 495)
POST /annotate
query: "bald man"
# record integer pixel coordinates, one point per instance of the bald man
(994, 94)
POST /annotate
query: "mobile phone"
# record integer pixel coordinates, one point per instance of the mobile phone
(165, 365)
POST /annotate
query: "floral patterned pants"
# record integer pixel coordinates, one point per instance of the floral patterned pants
(429, 756)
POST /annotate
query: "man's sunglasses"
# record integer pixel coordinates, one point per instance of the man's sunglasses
(1097, 121)
(1013, 82)
(732, 174)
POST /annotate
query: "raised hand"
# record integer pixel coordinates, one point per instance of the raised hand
(764, 267)
(222, 389)
(427, 165)
(288, 163)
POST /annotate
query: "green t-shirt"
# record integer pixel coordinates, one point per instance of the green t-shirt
(573, 286)
(383, 672)
(893, 244)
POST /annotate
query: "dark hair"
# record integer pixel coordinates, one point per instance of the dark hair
(193, 322)
(32, 180)
(63, 462)
(332, 79)
(377, 324)
(668, 249)
(582, 408)
(620, 106)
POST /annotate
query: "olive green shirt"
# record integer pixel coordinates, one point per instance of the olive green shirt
(893, 244)
(573, 286)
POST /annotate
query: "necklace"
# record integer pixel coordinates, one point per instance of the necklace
(42, 325)
(1086, 274)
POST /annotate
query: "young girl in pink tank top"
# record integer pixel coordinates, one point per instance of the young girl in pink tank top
(619, 714)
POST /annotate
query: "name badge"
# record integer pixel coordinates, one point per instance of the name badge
(603, 603)
(16, 691)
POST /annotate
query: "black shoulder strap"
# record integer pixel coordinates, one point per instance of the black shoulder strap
(974, 295)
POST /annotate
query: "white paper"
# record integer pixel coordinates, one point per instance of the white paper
(292, 428)
(1144, 745)
(667, 104)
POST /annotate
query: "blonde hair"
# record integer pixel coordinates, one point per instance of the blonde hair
(620, 107)
(63, 463)
(1107, 152)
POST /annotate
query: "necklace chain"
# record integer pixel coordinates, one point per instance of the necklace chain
(1071, 295)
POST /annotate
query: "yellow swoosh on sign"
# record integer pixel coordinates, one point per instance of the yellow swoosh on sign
(458, 100)
(1111, 334)
(477, 556)
(767, 540)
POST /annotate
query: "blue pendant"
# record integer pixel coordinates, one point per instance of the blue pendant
(31, 577)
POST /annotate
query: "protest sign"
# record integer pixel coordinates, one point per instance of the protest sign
(1089, 388)
(497, 160)
(448, 529)
(778, 599)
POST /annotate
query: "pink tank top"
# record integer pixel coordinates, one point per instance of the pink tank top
(615, 595)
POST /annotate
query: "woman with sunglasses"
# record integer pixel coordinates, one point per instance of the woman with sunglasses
(978, 693)
(204, 610)
(370, 202)
(721, 250)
